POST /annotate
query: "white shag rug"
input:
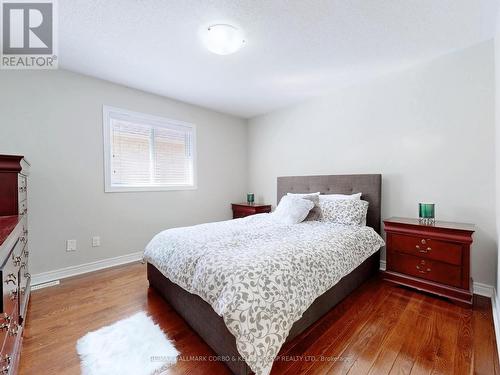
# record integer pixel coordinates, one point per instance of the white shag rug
(135, 346)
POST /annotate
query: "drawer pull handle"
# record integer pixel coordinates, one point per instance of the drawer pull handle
(17, 261)
(14, 330)
(423, 251)
(13, 295)
(11, 278)
(423, 269)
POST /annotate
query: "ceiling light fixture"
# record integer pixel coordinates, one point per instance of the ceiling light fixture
(223, 39)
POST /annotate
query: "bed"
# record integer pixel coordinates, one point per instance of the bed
(211, 312)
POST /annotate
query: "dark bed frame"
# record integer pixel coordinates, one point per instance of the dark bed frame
(211, 327)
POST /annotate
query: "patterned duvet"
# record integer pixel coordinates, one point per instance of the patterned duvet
(260, 276)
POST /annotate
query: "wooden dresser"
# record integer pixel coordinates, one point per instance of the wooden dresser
(14, 254)
(246, 209)
(433, 258)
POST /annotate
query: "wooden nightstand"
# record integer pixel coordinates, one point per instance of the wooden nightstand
(433, 258)
(245, 209)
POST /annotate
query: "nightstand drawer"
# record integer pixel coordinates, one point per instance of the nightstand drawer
(426, 248)
(243, 209)
(424, 268)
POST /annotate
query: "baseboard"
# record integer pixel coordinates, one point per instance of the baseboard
(45, 285)
(382, 265)
(484, 290)
(478, 288)
(63, 273)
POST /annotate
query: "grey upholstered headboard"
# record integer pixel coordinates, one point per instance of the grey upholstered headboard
(368, 184)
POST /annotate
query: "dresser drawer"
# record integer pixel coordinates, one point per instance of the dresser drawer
(426, 248)
(22, 196)
(22, 187)
(24, 288)
(11, 331)
(424, 268)
(17, 253)
(10, 280)
(22, 181)
(23, 208)
(5, 320)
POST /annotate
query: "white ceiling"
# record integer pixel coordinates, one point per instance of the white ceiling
(295, 49)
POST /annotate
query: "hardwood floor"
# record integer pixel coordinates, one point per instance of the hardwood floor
(379, 329)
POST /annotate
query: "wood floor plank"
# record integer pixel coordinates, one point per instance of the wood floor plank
(345, 314)
(391, 346)
(380, 328)
(463, 359)
(412, 344)
(484, 338)
(337, 335)
(437, 354)
(362, 348)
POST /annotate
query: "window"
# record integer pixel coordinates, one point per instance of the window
(147, 153)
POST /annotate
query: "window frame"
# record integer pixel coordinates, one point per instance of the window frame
(107, 112)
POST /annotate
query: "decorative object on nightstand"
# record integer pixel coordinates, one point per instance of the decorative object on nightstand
(245, 209)
(426, 213)
(250, 198)
(432, 258)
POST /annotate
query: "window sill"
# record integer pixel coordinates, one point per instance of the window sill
(131, 189)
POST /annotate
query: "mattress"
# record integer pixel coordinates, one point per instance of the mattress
(259, 275)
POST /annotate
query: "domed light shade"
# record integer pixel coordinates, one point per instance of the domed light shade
(223, 39)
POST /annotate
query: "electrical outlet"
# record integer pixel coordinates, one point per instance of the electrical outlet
(71, 245)
(96, 241)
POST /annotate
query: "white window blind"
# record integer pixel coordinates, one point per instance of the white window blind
(148, 153)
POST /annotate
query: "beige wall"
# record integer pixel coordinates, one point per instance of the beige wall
(54, 118)
(428, 130)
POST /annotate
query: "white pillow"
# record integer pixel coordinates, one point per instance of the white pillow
(332, 197)
(315, 213)
(292, 210)
(302, 195)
